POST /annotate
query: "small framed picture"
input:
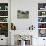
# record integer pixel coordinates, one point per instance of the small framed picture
(22, 14)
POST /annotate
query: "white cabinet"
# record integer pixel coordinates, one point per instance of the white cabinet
(4, 21)
(3, 40)
(41, 41)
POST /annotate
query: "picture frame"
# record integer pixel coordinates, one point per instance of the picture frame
(22, 14)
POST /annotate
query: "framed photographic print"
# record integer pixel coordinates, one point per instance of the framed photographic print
(22, 14)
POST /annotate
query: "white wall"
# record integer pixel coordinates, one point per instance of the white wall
(23, 24)
(24, 5)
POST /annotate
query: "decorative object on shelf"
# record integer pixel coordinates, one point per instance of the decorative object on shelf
(3, 6)
(31, 27)
(41, 19)
(4, 26)
(13, 27)
(6, 7)
(22, 14)
(3, 13)
(0, 7)
(42, 32)
(4, 29)
(41, 25)
(3, 19)
(45, 6)
(41, 6)
(43, 13)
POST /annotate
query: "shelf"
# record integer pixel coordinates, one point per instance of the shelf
(41, 28)
(3, 16)
(3, 22)
(3, 10)
(41, 22)
(42, 16)
(41, 10)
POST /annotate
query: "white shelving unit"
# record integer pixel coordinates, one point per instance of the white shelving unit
(4, 20)
(42, 18)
